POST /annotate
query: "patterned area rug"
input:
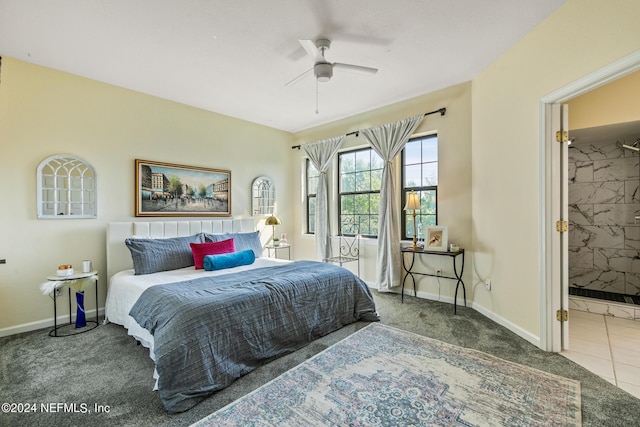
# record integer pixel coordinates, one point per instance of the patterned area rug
(382, 376)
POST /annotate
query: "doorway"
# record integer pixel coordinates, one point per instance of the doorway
(554, 290)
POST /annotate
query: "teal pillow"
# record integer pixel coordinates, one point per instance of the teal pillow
(234, 259)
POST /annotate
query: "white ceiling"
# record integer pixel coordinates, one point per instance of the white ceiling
(234, 57)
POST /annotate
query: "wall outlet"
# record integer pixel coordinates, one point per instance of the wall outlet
(438, 272)
(487, 284)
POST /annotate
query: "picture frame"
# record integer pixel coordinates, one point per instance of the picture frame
(167, 189)
(436, 239)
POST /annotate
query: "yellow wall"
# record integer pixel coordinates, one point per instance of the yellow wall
(454, 174)
(490, 160)
(45, 112)
(616, 102)
(580, 38)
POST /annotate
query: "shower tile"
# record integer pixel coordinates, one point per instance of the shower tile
(621, 312)
(599, 236)
(631, 210)
(596, 192)
(622, 260)
(583, 172)
(610, 149)
(632, 284)
(599, 280)
(631, 194)
(615, 169)
(579, 236)
(581, 214)
(581, 153)
(581, 257)
(608, 214)
(632, 237)
(578, 305)
(582, 277)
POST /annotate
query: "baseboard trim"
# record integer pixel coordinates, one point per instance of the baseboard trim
(510, 326)
(477, 307)
(47, 323)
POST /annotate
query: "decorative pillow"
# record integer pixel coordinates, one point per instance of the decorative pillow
(241, 241)
(153, 255)
(200, 250)
(235, 259)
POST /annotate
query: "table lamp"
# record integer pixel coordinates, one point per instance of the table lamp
(272, 221)
(413, 203)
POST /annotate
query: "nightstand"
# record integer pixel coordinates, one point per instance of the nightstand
(67, 281)
(275, 250)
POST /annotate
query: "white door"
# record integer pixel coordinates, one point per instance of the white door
(557, 133)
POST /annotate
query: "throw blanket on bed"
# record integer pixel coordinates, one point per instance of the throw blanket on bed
(210, 331)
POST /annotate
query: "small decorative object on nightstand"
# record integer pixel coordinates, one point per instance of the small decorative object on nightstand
(78, 281)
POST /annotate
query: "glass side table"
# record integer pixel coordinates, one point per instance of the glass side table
(60, 331)
(275, 250)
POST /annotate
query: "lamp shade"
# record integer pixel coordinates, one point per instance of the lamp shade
(272, 220)
(413, 201)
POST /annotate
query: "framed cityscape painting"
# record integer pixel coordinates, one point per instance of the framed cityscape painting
(165, 189)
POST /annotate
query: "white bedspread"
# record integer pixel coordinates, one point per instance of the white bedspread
(125, 288)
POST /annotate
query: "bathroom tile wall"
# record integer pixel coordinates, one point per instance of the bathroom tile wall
(604, 241)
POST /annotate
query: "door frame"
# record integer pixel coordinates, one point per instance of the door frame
(550, 268)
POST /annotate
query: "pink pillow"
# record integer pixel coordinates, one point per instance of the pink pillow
(200, 250)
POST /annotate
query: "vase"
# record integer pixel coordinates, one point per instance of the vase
(81, 320)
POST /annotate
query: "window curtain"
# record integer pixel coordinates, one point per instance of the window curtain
(388, 140)
(320, 154)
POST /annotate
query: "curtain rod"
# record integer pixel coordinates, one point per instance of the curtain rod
(442, 112)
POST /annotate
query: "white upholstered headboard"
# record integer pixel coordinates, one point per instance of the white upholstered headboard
(119, 257)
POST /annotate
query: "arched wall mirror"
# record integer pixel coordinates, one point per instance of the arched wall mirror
(66, 188)
(263, 196)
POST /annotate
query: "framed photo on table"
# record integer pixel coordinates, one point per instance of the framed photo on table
(436, 239)
(165, 189)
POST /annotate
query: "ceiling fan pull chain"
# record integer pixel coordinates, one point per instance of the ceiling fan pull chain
(317, 110)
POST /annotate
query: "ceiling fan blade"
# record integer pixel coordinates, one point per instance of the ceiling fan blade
(298, 78)
(311, 49)
(358, 68)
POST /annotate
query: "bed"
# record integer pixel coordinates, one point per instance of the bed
(205, 328)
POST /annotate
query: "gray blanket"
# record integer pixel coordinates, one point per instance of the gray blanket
(210, 331)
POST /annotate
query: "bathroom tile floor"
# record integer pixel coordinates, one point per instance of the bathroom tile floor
(607, 346)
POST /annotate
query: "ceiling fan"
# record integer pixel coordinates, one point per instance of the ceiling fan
(323, 69)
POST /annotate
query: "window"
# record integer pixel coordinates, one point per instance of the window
(420, 174)
(359, 179)
(312, 188)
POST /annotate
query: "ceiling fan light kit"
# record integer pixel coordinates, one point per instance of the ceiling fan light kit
(323, 69)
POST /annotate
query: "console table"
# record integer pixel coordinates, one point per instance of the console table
(421, 253)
